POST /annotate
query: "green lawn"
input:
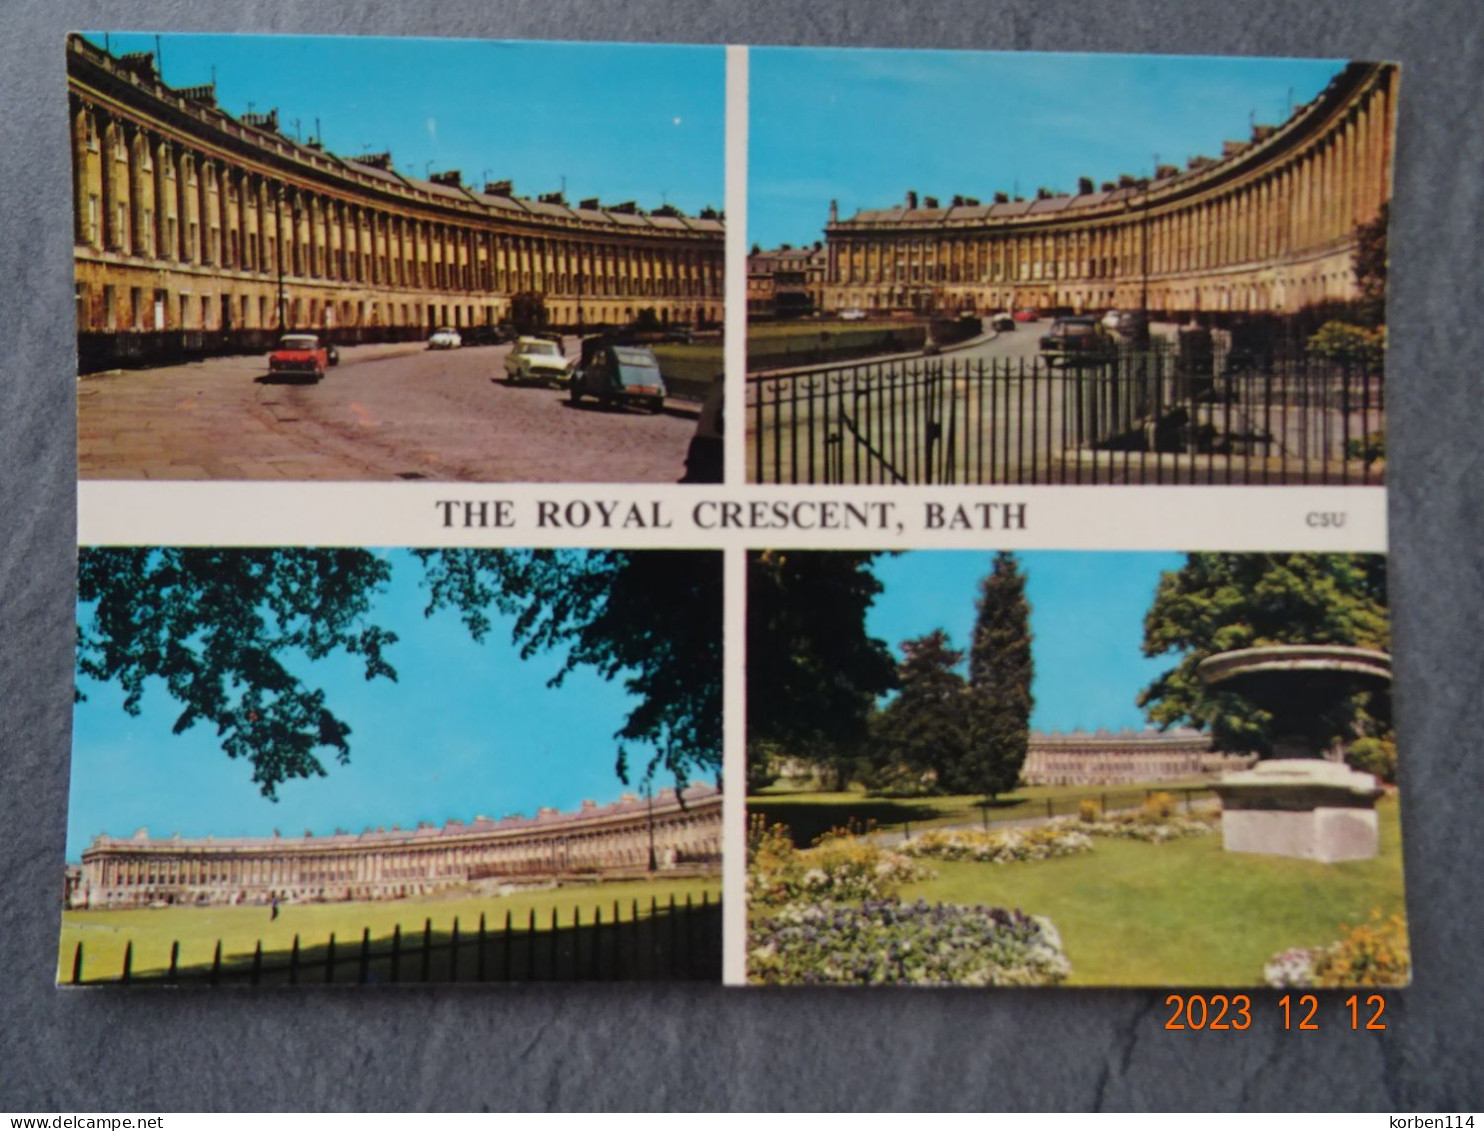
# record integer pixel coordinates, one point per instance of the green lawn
(764, 332)
(781, 345)
(104, 934)
(1184, 913)
(809, 812)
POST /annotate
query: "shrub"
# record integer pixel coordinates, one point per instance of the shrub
(1371, 954)
(1370, 447)
(887, 942)
(1349, 344)
(1088, 811)
(1159, 806)
(840, 866)
(1060, 838)
(1374, 756)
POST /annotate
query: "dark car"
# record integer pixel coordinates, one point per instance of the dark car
(680, 333)
(617, 375)
(1078, 340)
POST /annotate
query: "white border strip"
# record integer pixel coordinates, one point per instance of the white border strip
(734, 353)
(1326, 519)
(734, 775)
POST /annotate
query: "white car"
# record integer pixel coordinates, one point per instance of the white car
(537, 359)
(1002, 320)
(854, 314)
(445, 338)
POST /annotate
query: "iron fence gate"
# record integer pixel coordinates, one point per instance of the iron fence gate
(1155, 416)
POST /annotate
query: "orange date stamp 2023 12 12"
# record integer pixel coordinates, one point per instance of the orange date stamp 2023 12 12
(1301, 1012)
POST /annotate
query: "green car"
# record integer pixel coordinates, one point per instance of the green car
(617, 375)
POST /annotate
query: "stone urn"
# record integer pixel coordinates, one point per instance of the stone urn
(1294, 802)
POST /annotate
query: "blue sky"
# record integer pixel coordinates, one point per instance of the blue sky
(467, 729)
(864, 126)
(619, 121)
(1087, 618)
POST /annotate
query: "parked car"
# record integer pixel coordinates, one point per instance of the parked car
(1027, 315)
(1127, 324)
(618, 375)
(854, 314)
(536, 359)
(681, 333)
(1078, 340)
(299, 355)
(445, 338)
(1002, 320)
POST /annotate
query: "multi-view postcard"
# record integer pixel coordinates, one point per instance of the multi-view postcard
(352, 259)
(975, 268)
(746, 751)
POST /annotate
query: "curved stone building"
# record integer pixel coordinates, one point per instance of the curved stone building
(607, 840)
(188, 219)
(1268, 226)
(1124, 757)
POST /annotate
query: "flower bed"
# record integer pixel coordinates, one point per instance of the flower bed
(1142, 826)
(1371, 954)
(887, 942)
(839, 867)
(1007, 847)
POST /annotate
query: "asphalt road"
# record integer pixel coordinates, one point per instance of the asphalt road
(386, 412)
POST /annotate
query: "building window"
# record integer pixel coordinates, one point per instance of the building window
(92, 232)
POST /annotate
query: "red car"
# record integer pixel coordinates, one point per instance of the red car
(299, 355)
(1027, 316)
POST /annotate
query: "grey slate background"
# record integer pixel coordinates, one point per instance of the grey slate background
(596, 1047)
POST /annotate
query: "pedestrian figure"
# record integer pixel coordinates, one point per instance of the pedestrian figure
(275, 907)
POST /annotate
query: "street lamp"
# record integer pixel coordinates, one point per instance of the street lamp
(278, 254)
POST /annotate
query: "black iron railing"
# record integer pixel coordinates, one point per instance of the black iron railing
(1151, 416)
(668, 942)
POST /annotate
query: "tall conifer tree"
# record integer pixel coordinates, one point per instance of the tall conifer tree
(1000, 670)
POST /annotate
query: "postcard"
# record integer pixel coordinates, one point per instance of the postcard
(382, 260)
(341, 765)
(437, 622)
(974, 268)
(1071, 768)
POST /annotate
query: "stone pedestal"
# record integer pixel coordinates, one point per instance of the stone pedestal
(1303, 807)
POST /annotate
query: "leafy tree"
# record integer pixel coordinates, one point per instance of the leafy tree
(923, 733)
(217, 626)
(222, 627)
(813, 675)
(1000, 673)
(528, 312)
(1221, 602)
(650, 616)
(1349, 344)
